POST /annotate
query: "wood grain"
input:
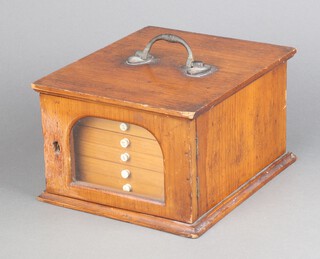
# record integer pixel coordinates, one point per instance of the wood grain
(114, 126)
(111, 139)
(104, 152)
(193, 230)
(97, 152)
(107, 174)
(240, 136)
(198, 144)
(175, 136)
(104, 76)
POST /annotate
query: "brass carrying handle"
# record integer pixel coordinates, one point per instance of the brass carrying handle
(192, 68)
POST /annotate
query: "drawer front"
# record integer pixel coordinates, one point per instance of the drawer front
(116, 126)
(144, 182)
(113, 140)
(119, 156)
(104, 152)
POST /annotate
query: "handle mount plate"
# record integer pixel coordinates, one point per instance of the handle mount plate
(192, 68)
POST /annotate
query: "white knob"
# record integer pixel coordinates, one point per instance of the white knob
(124, 157)
(127, 188)
(124, 142)
(124, 126)
(125, 173)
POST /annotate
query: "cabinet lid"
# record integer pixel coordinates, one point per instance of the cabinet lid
(104, 76)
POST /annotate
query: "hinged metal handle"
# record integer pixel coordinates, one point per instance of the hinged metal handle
(192, 68)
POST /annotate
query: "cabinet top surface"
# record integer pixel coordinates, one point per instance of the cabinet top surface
(104, 76)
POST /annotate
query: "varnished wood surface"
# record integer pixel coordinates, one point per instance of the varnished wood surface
(104, 152)
(114, 126)
(112, 140)
(240, 136)
(104, 77)
(97, 152)
(235, 140)
(193, 230)
(214, 133)
(107, 174)
(175, 136)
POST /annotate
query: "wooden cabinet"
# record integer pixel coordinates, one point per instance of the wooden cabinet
(155, 138)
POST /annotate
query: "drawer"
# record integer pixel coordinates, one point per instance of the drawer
(114, 140)
(103, 148)
(143, 182)
(111, 154)
(116, 126)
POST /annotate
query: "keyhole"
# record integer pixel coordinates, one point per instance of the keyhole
(56, 147)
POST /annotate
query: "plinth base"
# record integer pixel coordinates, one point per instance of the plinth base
(193, 230)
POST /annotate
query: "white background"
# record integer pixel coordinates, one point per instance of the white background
(38, 37)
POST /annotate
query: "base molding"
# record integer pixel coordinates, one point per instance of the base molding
(193, 230)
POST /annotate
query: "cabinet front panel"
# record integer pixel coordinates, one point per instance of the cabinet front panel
(120, 157)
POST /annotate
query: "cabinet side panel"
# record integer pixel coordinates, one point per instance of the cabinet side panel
(240, 136)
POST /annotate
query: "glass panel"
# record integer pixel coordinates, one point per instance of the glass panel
(118, 156)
